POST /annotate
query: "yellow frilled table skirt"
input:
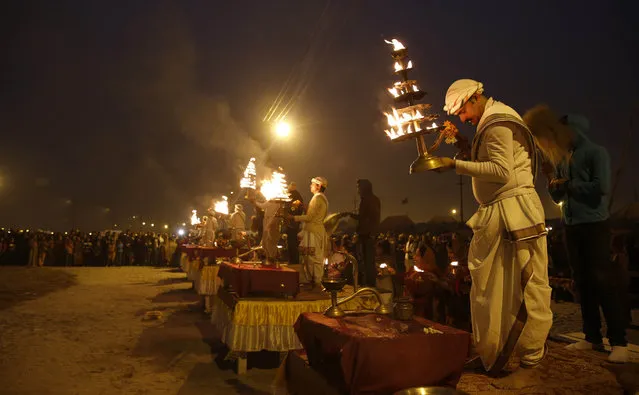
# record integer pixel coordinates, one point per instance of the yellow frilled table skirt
(207, 282)
(267, 324)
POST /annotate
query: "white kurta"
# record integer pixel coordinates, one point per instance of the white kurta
(271, 230)
(313, 239)
(237, 223)
(506, 273)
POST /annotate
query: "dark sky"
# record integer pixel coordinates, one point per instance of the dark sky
(110, 109)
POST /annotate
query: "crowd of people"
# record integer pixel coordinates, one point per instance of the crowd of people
(76, 248)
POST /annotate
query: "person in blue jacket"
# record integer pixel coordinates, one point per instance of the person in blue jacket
(579, 179)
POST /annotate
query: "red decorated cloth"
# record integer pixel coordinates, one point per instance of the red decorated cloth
(248, 280)
(190, 250)
(215, 252)
(375, 354)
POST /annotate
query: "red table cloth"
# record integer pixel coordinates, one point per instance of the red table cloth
(190, 250)
(375, 354)
(215, 252)
(248, 280)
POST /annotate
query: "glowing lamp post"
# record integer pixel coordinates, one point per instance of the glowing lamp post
(282, 129)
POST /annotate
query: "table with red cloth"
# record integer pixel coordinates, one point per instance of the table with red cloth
(190, 249)
(248, 279)
(216, 252)
(372, 353)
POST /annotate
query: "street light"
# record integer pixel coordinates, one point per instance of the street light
(282, 129)
(453, 211)
(166, 226)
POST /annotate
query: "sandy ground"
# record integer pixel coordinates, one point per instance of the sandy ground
(89, 331)
(92, 335)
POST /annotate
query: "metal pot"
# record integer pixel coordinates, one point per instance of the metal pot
(403, 309)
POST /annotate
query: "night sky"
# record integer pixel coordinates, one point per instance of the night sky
(110, 109)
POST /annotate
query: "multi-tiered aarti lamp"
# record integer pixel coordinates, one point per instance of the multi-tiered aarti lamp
(412, 120)
(275, 189)
(249, 179)
(222, 206)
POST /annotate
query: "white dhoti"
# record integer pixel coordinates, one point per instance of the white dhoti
(510, 295)
(313, 250)
(270, 238)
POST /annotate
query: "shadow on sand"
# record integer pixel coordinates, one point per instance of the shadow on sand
(19, 283)
(182, 339)
(184, 295)
(172, 280)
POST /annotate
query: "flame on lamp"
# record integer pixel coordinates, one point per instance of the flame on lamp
(400, 67)
(222, 206)
(383, 266)
(194, 219)
(248, 180)
(275, 187)
(417, 269)
(403, 123)
(454, 263)
(397, 45)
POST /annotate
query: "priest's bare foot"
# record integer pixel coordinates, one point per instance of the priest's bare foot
(519, 379)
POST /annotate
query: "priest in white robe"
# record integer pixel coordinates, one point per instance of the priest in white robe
(271, 232)
(314, 243)
(237, 222)
(508, 259)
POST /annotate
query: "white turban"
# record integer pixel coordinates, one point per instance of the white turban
(321, 181)
(459, 92)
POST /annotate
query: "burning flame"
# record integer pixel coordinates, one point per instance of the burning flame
(454, 263)
(400, 67)
(250, 174)
(417, 269)
(400, 88)
(396, 44)
(404, 123)
(275, 187)
(383, 266)
(194, 219)
(222, 206)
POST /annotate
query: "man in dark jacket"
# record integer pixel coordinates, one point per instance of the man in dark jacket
(292, 227)
(368, 216)
(578, 172)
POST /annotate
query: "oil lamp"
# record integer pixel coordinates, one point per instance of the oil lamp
(411, 120)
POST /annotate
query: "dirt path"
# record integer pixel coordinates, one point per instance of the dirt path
(92, 336)
(85, 331)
